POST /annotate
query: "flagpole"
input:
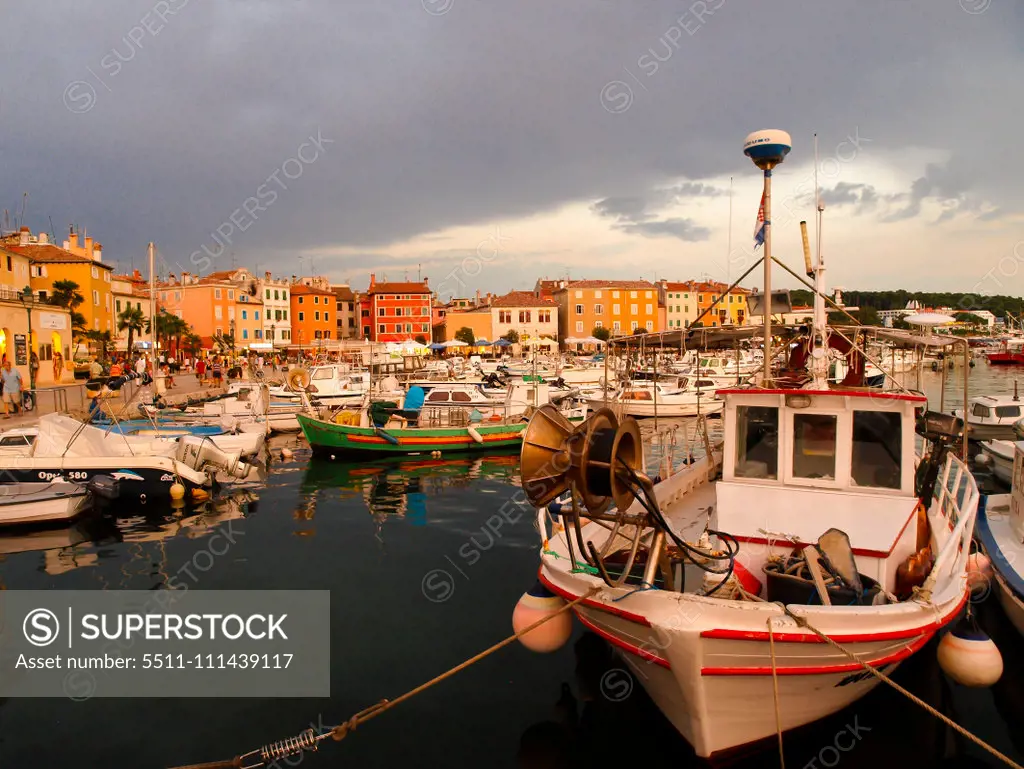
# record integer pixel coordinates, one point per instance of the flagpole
(767, 149)
(728, 256)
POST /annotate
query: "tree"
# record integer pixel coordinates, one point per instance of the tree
(134, 320)
(602, 333)
(868, 316)
(969, 319)
(512, 336)
(103, 342)
(169, 326)
(65, 294)
(420, 339)
(224, 342)
(639, 330)
(465, 334)
(191, 342)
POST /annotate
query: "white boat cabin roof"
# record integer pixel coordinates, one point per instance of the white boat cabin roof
(799, 462)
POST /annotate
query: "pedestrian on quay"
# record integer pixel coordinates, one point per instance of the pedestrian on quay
(95, 369)
(58, 367)
(10, 382)
(201, 372)
(217, 371)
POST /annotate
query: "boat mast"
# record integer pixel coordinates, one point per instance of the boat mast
(152, 303)
(819, 361)
(767, 149)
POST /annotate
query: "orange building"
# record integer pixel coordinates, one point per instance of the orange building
(622, 306)
(313, 315)
(687, 300)
(208, 304)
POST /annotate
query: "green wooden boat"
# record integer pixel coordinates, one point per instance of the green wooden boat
(350, 441)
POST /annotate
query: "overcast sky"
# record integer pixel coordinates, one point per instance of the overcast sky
(488, 143)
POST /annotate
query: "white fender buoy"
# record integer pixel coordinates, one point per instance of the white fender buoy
(475, 434)
(287, 453)
(979, 572)
(177, 491)
(970, 657)
(537, 603)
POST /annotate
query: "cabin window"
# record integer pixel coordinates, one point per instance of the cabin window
(323, 373)
(980, 410)
(461, 397)
(877, 449)
(1007, 411)
(757, 442)
(437, 396)
(814, 446)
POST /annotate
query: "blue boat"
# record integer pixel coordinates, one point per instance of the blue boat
(1000, 530)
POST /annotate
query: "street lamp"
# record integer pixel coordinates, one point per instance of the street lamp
(29, 299)
(231, 330)
(273, 342)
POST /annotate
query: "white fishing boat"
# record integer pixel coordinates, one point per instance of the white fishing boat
(26, 503)
(17, 441)
(147, 467)
(991, 417)
(645, 398)
(719, 583)
(1001, 533)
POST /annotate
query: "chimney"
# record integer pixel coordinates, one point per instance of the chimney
(88, 247)
(478, 297)
(72, 243)
(266, 275)
(43, 239)
(426, 281)
(373, 279)
(24, 236)
(97, 252)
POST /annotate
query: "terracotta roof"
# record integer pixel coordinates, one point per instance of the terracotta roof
(630, 284)
(399, 288)
(301, 288)
(52, 254)
(706, 285)
(219, 275)
(522, 299)
(344, 293)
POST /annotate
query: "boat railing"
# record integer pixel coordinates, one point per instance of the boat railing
(956, 498)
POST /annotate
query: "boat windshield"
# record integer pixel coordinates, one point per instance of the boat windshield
(757, 444)
(877, 438)
(1007, 411)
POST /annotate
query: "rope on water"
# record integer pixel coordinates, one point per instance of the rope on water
(775, 691)
(310, 740)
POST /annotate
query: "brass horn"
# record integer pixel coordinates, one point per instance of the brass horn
(593, 457)
(297, 379)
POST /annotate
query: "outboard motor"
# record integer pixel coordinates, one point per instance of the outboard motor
(200, 453)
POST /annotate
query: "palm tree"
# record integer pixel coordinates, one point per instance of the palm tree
(133, 319)
(102, 340)
(169, 326)
(65, 294)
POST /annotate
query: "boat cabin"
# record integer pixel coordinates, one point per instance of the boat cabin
(784, 448)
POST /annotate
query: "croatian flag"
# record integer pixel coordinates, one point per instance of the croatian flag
(759, 227)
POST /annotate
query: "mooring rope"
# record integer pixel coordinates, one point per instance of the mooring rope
(310, 740)
(775, 691)
(802, 622)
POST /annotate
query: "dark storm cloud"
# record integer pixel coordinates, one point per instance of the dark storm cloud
(161, 121)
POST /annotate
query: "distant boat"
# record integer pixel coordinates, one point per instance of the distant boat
(991, 417)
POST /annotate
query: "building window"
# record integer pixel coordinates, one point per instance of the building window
(579, 326)
(525, 316)
(300, 300)
(302, 316)
(380, 328)
(648, 294)
(245, 315)
(218, 312)
(380, 312)
(598, 309)
(258, 334)
(579, 294)
(398, 312)
(597, 294)
(245, 333)
(316, 299)
(544, 316)
(650, 325)
(632, 294)
(96, 297)
(408, 328)
(256, 314)
(616, 309)
(284, 314)
(504, 316)
(615, 294)
(231, 293)
(220, 331)
(633, 309)
(268, 293)
(118, 305)
(327, 316)
(650, 309)
(598, 324)
(633, 325)
(95, 272)
(579, 309)
(216, 294)
(616, 326)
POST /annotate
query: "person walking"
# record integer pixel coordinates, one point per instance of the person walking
(216, 371)
(10, 381)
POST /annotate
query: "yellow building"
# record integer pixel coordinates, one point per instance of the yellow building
(684, 303)
(51, 326)
(622, 306)
(82, 264)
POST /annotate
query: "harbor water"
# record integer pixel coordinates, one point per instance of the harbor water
(425, 559)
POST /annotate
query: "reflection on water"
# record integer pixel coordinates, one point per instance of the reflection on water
(323, 525)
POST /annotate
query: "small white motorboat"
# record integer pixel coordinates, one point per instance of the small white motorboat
(646, 398)
(991, 417)
(18, 441)
(1000, 454)
(22, 503)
